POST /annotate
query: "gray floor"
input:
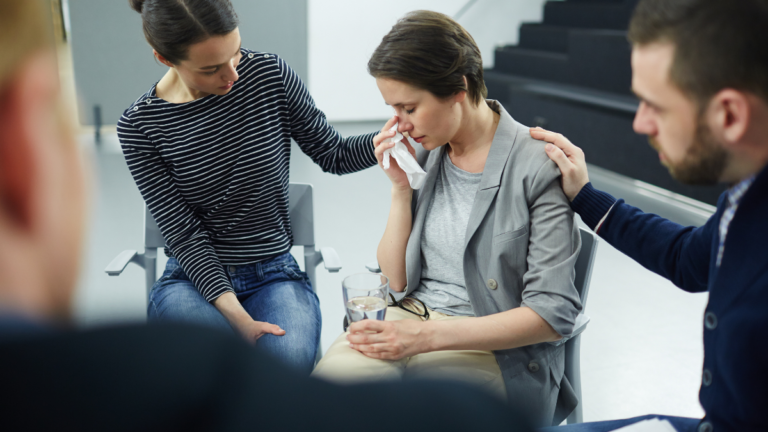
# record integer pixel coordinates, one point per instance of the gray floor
(642, 352)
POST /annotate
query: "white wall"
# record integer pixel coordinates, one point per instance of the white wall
(344, 33)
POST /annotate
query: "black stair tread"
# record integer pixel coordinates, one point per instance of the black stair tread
(533, 52)
(589, 14)
(544, 37)
(568, 92)
(532, 63)
(597, 58)
(601, 59)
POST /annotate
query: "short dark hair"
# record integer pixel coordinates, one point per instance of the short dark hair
(172, 26)
(718, 43)
(431, 51)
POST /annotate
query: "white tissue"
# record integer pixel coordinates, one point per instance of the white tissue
(651, 425)
(405, 160)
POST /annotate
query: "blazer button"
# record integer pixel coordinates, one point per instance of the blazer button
(492, 284)
(706, 427)
(706, 378)
(710, 321)
(533, 366)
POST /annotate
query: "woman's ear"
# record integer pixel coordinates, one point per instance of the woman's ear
(460, 96)
(162, 59)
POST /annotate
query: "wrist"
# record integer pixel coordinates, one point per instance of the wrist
(232, 310)
(399, 192)
(430, 337)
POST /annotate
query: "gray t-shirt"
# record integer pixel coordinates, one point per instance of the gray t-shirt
(442, 286)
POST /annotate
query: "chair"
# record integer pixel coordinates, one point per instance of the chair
(301, 212)
(583, 268)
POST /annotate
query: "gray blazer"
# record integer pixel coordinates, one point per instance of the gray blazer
(520, 248)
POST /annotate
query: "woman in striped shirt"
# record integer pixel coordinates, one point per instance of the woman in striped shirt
(209, 148)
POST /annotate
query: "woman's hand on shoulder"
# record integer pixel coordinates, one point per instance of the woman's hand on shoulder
(389, 340)
(395, 173)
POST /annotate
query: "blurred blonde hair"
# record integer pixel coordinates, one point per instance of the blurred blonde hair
(24, 30)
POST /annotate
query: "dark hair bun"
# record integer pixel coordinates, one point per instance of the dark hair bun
(137, 5)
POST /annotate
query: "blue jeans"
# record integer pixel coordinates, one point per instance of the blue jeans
(681, 424)
(274, 291)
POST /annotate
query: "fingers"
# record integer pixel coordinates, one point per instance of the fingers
(388, 125)
(381, 137)
(554, 138)
(558, 157)
(273, 329)
(379, 351)
(380, 148)
(385, 134)
(367, 325)
(366, 338)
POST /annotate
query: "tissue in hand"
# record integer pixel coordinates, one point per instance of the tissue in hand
(404, 159)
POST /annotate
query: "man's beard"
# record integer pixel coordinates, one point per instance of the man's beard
(704, 162)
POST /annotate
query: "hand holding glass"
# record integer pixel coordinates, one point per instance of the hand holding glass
(365, 296)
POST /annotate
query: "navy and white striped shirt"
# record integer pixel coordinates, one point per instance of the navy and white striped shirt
(214, 171)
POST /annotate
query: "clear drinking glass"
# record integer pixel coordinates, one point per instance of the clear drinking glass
(365, 296)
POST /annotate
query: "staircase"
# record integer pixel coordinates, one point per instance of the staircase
(571, 74)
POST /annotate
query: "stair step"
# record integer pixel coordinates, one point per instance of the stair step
(597, 122)
(543, 37)
(537, 64)
(600, 59)
(589, 14)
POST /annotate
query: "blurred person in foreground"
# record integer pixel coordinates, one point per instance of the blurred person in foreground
(700, 70)
(141, 377)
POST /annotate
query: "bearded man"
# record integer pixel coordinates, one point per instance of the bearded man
(700, 70)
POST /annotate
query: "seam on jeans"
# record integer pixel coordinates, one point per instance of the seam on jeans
(154, 305)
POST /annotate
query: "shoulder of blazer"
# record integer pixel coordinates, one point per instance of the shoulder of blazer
(527, 162)
(530, 165)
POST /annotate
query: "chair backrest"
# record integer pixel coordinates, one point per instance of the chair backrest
(299, 207)
(584, 263)
(583, 268)
(152, 236)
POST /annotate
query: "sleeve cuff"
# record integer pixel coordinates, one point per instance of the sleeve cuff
(592, 205)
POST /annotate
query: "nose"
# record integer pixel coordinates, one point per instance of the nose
(643, 123)
(404, 125)
(231, 73)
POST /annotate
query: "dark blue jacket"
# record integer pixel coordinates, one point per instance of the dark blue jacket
(734, 390)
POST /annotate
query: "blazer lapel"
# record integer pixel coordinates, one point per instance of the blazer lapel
(503, 140)
(425, 194)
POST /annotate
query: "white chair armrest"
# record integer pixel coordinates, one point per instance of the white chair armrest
(331, 259)
(119, 263)
(373, 267)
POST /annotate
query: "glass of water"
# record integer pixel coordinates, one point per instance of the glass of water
(365, 296)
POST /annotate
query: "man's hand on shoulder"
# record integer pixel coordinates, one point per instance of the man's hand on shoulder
(568, 157)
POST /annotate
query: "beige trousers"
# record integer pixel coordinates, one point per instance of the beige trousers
(342, 364)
